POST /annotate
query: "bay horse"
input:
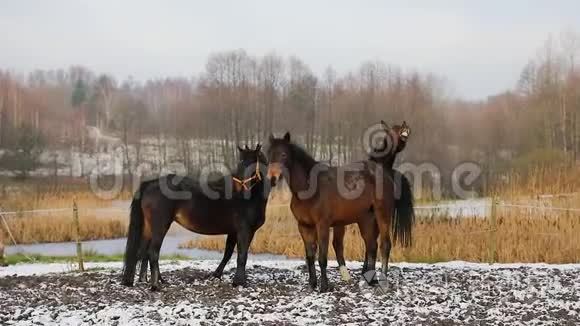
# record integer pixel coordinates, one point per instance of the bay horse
(385, 153)
(324, 197)
(204, 208)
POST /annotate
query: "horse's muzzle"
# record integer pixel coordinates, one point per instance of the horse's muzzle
(274, 171)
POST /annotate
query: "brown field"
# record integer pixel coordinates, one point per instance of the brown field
(522, 235)
(96, 222)
(60, 228)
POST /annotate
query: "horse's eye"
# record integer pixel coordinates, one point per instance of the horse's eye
(284, 155)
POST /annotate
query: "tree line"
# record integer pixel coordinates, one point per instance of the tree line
(241, 98)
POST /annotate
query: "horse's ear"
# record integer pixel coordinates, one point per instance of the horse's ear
(406, 126)
(287, 136)
(258, 147)
(239, 148)
(271, 138)
(246, 147)
(385, 125)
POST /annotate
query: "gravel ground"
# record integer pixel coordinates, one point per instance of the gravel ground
(440, 294)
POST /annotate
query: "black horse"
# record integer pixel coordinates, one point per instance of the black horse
(235, 206)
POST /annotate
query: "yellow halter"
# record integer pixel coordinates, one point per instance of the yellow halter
(256, 176)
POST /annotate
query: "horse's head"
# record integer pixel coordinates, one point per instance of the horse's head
(249, 167)
(279, 155)
(402, 133)
(394, 141)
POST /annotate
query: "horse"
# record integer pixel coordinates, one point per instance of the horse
(209, 208)
(324, 197)
(394, 141)
(392, 144)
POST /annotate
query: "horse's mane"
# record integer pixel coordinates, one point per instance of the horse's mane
(301, 156)
(216, 181)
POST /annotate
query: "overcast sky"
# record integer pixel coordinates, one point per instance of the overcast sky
(480, 47)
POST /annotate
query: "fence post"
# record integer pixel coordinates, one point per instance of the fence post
(493, 231)
(78, 235)
(2, 252)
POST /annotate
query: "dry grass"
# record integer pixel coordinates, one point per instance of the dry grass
(538, 181)
(29, 198)
(95, 221)
(522, 236)
(41, 229)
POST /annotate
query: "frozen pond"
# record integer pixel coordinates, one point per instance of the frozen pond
(117, 246)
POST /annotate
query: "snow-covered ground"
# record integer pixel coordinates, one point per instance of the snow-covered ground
(447, 293)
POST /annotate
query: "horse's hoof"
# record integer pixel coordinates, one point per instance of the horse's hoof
(373, 283)
(324, 287)
(239, 281)
(215, 274)
(371, 278)
(155, 288)
(344, 275)
(312, 283)
(127, 284)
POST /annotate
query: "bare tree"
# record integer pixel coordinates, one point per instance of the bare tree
(105, 90)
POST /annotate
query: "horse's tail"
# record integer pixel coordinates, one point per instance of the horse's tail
(133, 238)
(404, 211)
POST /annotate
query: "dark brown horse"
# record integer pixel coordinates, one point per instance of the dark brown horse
(324, 197)
(394, 141)
(234, 206)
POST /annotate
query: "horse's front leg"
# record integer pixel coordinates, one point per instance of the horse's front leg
(384, 216)
(244, 238)
(308, 234)
(323, 231)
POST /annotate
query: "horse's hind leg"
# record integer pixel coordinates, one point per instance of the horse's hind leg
(384, 216)
(338, 245)
(143, 270)
(144, 254)
(369, 232)
(229, 250)
(159, 230)
(309, 237)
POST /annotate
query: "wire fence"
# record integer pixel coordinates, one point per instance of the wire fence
(523, 228)
(66, 226)
(482, 208)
